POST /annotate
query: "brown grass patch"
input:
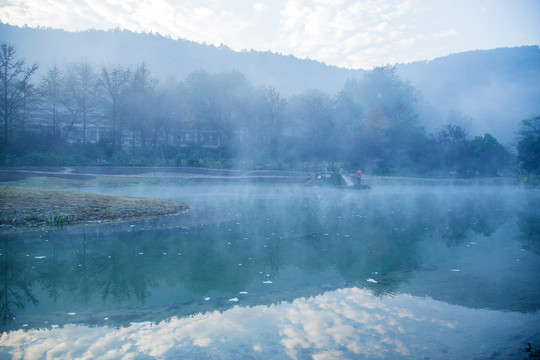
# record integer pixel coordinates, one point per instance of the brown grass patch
(35, 206)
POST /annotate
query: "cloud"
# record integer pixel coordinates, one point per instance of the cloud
(347, 323)
(342, 32)
(202, 12)
(260, 7)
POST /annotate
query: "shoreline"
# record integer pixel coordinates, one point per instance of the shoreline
(34, 197)
(196, 174)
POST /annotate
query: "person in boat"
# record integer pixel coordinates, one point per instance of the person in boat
(359, 176)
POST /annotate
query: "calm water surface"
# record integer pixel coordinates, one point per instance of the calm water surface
(281, 271)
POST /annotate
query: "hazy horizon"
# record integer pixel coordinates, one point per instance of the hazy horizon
(353, 35)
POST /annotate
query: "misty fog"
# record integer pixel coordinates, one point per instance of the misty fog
(494, 88)
(448, 256)
(390, 212)
(79, 114)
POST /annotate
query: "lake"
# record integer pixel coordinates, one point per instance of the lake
(258, 271)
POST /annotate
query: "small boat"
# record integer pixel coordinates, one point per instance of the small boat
(361, 187)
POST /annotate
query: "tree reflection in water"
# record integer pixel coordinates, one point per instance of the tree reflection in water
(313, 240)
(529, 224)
(15, 289)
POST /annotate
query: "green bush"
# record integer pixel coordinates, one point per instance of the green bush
(59, 220)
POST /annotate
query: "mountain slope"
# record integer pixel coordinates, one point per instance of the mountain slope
(495, 88)
(166, 57)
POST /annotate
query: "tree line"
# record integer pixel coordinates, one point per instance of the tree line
(77, 114)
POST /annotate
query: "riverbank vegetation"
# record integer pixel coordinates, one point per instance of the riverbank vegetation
(529, 151)
(76, 114)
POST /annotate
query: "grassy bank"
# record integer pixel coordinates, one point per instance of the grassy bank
(30, 207)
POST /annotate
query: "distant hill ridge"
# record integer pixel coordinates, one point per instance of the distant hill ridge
(494, 88)
(485, 90)
(167, 57)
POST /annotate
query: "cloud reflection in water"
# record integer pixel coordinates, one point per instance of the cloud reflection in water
(347, 324)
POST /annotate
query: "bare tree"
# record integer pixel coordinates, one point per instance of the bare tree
(142, 109)
(115, 83)
(80, 90)
(271, 113)
(14, 83)
(50, 90)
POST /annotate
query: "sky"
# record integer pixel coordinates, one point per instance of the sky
(353, 34)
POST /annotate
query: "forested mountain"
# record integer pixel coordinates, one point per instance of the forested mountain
(485, 91)
(172, 58)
